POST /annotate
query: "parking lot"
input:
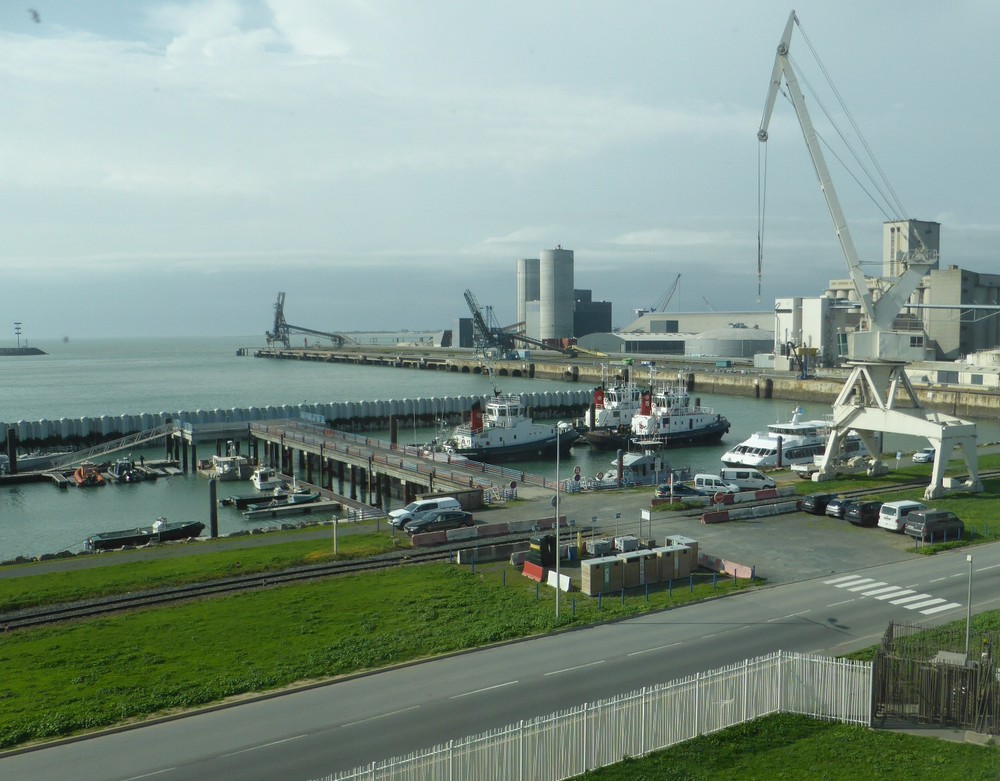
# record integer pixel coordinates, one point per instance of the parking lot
(782, 548)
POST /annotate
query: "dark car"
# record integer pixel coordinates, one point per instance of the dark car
(934, 525)
(837, 507)
(438, 520)
(680, 489)
(815, 504)
(863, 513)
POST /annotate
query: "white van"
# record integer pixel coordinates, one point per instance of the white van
(713, 484)
(399, 518)
(748, 479)
(892, 516)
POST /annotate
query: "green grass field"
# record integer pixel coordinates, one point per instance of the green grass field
(801, 749)
(94, 673)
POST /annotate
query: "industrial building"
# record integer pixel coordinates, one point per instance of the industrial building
(940, 315)
(548, 303)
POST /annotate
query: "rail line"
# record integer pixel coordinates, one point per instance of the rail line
(102, 606)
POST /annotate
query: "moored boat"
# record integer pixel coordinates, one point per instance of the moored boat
(87, 474)
(669, 418)
(124, 470)
(267, 478)
(158, 531)
(610, 417)
(283, 497)
(799, 441)
(504, 432)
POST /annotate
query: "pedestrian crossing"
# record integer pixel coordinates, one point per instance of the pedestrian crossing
(894, 595)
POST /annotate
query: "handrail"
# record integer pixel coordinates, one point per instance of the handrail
(132, 440)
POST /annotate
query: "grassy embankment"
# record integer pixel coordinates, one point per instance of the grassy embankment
(800, 749)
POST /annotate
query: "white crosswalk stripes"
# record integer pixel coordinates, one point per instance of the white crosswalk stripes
(894, 595)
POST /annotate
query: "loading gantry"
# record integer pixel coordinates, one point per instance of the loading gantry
(282, 331)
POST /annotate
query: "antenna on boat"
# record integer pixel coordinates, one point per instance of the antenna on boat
(488, 365)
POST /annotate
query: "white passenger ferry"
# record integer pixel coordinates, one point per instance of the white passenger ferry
(800, 440)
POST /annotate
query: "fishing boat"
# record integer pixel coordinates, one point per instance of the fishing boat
(231, 466)
(267, 478)
(668, 417)
(87, 474)
(800, 441)
(158, 531)
(124, 470)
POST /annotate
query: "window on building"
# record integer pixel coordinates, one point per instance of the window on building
(917, 341)
(976, 379)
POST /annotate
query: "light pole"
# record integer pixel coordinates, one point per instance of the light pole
(557, 521)
(968, 608)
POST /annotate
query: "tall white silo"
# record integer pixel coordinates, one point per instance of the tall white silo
(555, 293)
(527, 285)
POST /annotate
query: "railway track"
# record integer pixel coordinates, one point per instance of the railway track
(94, 608)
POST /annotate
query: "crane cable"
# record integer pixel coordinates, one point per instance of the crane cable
(761, 202)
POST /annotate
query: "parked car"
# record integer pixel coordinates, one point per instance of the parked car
(924, 456)
(399, 518)
(437, 520)
(680, 489)
(815, 504)
(934, 525)
(863, 513)
(837, 507)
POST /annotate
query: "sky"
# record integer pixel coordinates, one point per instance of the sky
(166, 168)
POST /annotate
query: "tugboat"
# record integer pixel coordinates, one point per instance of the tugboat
(504, 432)
(669, 418)
(611, 413)
(87, 474)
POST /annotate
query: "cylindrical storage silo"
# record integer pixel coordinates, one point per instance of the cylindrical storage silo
(555, 294)
(527, 285)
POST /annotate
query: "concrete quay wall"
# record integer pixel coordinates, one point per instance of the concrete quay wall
(343, 415)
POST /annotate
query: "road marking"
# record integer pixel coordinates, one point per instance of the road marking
(928, 603)
(380, 716)
(480, 691)
(650, 650)
(897, 594)
(857, 582)
(904, 600)
(937, 580)
(840, 603)
(154, 773)
(790, 615)
(871, 584)
(884, 590)
(932, 610)
(578, 667)
(838, 580)
(262, 745)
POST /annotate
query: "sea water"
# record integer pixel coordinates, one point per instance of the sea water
(131, 376)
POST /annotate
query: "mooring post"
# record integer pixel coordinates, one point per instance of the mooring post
(213, 510)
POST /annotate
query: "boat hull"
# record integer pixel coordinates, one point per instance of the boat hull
(144, 534)
(541, 448)
(706, 435)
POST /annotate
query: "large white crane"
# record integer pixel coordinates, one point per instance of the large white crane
(868, 402)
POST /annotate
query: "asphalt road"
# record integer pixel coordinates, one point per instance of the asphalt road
(311, 733)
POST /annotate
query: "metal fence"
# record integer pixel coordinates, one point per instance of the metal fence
(571, 742)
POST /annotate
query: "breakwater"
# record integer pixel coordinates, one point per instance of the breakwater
(343, 415)
(976, 402)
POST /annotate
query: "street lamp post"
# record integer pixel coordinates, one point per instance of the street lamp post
(557, 522)
(968, 608)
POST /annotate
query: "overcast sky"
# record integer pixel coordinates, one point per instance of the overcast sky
(167, 167)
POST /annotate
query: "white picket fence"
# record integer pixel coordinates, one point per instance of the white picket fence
(571, 742)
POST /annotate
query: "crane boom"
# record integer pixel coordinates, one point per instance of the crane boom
(877, 341)
(783, 70)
